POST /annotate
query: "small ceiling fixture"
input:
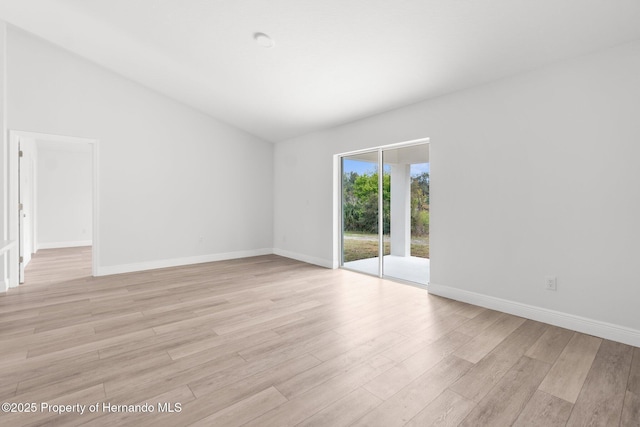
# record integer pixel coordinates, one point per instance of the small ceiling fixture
(263, 40)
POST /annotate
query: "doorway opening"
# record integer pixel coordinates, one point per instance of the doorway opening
(384, 211)
(53, 199)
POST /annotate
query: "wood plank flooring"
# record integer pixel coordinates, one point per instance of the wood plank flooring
(268, 341)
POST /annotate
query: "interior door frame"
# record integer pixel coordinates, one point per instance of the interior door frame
(21, 216)
(338, 242)
(14, 182)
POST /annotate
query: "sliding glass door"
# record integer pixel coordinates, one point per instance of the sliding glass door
(385, 212)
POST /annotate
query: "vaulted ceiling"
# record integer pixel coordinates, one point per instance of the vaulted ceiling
(334, 61)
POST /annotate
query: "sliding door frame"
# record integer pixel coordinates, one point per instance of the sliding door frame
(338, 258)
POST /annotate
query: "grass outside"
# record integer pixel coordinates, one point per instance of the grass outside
(361, 246)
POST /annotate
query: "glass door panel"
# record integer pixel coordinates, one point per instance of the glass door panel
(360, 239)
(406, 213)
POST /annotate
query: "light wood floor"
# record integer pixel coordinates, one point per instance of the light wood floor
(268, 341)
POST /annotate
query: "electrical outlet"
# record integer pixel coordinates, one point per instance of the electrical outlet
(550, 283)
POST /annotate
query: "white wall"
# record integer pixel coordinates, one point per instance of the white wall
(176, 186)
(531, 176)
(4, 283)
(64, 195)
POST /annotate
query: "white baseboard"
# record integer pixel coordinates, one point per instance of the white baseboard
(152, 265)
(569, 321)
(57, 245)
(4, 285)
(304, 258)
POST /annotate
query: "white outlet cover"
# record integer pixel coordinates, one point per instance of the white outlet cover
(551, 283)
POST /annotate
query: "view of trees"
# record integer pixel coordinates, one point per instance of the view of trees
(360, 192)
(420, 204)
(360, 205)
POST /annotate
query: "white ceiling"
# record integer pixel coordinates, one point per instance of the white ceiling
(334, 61)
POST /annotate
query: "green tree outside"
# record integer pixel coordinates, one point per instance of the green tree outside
(360, 203)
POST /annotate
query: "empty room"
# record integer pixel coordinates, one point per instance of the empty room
(320, 213)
